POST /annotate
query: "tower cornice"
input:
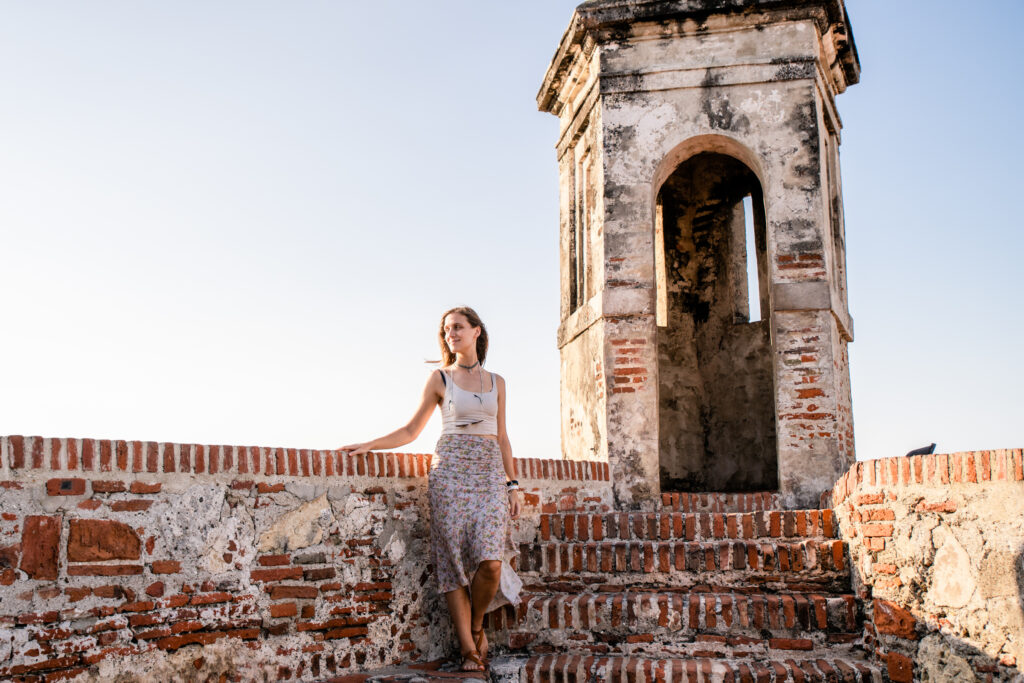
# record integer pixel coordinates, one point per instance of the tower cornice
(600, 21)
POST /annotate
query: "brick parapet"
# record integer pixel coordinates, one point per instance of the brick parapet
(937, 546)
(261, 563)
(29, 454)
(936, 469)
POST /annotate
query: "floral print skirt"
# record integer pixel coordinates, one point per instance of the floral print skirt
(469, 516)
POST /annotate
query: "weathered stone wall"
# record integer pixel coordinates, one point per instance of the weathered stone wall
(582, 272)
(937, 547)
(145, 561)
(584, 425)
(631, 353)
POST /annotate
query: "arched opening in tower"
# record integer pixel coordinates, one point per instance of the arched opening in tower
(716, 386)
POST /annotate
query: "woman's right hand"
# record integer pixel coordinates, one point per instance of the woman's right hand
(432, 393)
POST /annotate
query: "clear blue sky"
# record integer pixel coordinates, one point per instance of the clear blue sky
(239, 222)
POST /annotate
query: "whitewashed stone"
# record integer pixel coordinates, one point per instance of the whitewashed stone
(952, 581)
(299, 528)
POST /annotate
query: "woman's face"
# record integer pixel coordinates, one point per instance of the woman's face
(459, 334)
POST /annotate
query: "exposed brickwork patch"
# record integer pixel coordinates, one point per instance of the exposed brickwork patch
(92, 540)
(39, 546)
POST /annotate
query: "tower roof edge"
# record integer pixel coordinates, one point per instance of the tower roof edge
(593, 15)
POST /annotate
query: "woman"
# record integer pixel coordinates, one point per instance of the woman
(472, 487)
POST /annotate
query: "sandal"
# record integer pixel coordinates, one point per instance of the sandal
(474, 657)
(478, 637)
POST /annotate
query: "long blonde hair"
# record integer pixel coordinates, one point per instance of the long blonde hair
(447, 356)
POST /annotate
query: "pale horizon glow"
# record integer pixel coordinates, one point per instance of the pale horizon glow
(239, 223)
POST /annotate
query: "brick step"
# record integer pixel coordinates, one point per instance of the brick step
(808, 565)
(604, 620)
(722, 502)
(438, 671)
(690, 526)
(579, 668)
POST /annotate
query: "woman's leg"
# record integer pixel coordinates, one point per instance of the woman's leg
(460, 609)
(485, 585)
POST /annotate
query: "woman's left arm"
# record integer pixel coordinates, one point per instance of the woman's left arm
(515, 498)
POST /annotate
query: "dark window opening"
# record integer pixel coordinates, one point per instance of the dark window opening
(716, 382)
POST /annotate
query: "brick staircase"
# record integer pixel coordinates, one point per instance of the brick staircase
(711, 587)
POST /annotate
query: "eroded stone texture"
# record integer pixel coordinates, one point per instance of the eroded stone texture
(642, 89)
(938, 546)
(299, 528)
(186, 576)
(941, 663)
(584, 417)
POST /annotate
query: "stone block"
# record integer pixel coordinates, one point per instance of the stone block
(299, 528)
(998, 574)
(953, 581)
(939, 661)
(900, 667)
(165, 566)
(40, 545)
(65, 487)
(891, 619)
(802, 296)
(91, 540)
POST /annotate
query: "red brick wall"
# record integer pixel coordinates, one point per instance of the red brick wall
(198, 560)
(937, 543)
(812, 394)
(629, 370)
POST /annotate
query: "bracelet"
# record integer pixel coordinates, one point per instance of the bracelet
(512, 483)
(513, 488)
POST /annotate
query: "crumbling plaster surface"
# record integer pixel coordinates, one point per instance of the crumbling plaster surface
(141, 575)
(584, 428)
(365, 534)
(940, 565)
(580, 336)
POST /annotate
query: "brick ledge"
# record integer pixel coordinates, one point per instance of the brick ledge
(936, 469)
(100, 456)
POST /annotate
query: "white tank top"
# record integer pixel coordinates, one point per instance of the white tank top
(468, 412)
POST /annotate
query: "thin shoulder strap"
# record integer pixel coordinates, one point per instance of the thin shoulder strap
(444, 380)
(494, 384)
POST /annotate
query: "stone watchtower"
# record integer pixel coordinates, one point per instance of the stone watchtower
(704, 319)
